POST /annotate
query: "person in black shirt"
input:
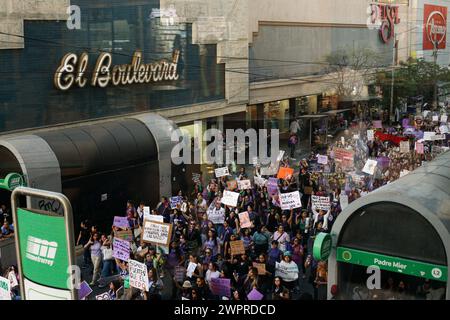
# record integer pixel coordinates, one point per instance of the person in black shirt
(83, 239)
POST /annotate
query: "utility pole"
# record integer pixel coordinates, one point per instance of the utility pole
(435, 88)
(391, 109)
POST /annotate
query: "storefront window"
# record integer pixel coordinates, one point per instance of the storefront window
(276, 115)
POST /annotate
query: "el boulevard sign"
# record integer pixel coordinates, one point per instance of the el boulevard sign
(72, 71)
(394, 264)
(384, 17)
(435, 27)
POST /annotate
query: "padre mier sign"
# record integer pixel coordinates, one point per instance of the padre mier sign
(72, 71)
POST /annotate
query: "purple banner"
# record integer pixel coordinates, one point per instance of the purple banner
(255, 295)
(220, 287)
(84, 290)
(272, 186)
(121, 249)
(405, 122)
(121, 222)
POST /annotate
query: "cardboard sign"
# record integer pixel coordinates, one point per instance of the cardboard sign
(220, 287)
(237, 247)
(261, 268)
(377, 124)
(232, 185)
(343, 201)
(290, 200)
(5, 289)
(322, 159)
(180, 273)
(272, 186)
(404, 146)
(244, 184)
(157, 233)
(230, 198)
(321, 203)
(84, 291)
(419, 148)
(216, 216)
(255, 295)
(103, 296)
(260, 181)
(221, 172)
(121, 249)
(287, 273)
(285, 173)
(174, 201)
(124, 235)
(370, 166)
(121, 222)
(244, 220)
(138, 275)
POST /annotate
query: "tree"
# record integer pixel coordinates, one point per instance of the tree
(413, 78)
(352, 69)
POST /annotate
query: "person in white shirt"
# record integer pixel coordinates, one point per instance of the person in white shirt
(282, 238)
(212, 272)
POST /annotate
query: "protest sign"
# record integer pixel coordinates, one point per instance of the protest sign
(443, 129)
(103, 296)
(280, 155)
(383, 162)
(290, 200)
(84, 291)
(191, 269)
(343, 200)
(138, 275)
(221, 172)
(244, 220)
(174, 201)
(121, 249)
(237, 247)
(260, 181)
(155, 218)
(444, 118)
(285, 173)
(286, 272)
(230, 198)
(419, 148)
(322, 159)
(377, 124)
(370, 135)
(435, 118)
(344, 158)
(255, 295)
(268, 171)
(370, 166)
(244, 184)
(261, 268)
(427, 135)
(232, 185)
(321, 203)
(180, 273)
(124, 235)
(196, 177)
(146, 212)
(272, 186)
(216, 216)
(255, 161)
(404, 146)
(405, 122)
(5, 289)
(437, 137)
(220, 287)
(157, 233)
(121, 222)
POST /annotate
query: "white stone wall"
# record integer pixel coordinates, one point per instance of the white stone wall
(223, 23)
(13, 12)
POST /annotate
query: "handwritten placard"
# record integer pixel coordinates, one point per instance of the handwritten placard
(290, 200)
(285, 173)
(138, 275)
(321, 203)
(220, 287)
(121, 222)
(244, 184)
(237, 247)
(244, 220)
(121, 249)
(261, 268)
(221, 172)
(230, 198)
(157, 233)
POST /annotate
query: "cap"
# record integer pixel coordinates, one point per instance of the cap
(287, 254)
(187, 284)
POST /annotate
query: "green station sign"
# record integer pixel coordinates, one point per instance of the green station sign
(12, 181)
(393, 264)
(43, 248)
(322, 246)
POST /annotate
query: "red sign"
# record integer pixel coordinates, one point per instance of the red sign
(344, 158)
(385, 17)
(434, 27)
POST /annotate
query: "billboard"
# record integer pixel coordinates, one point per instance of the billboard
(434, 27)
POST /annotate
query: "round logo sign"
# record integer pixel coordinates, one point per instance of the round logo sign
(14, 180)
(436, 273)
(346, 255)
(322, 246)
(436, 27)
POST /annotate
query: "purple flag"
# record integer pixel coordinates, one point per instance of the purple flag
(84, 290)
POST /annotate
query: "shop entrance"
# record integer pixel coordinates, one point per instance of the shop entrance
(8, 164)
(393, 286)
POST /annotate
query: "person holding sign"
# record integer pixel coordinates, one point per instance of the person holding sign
(287, 270)
(320, 215)
(155, 286)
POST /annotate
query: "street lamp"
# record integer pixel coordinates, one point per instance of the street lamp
(435, 89)
(391, 109)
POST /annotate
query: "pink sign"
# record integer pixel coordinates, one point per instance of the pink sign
(419, 148)
(244, 220)
(377, 124)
